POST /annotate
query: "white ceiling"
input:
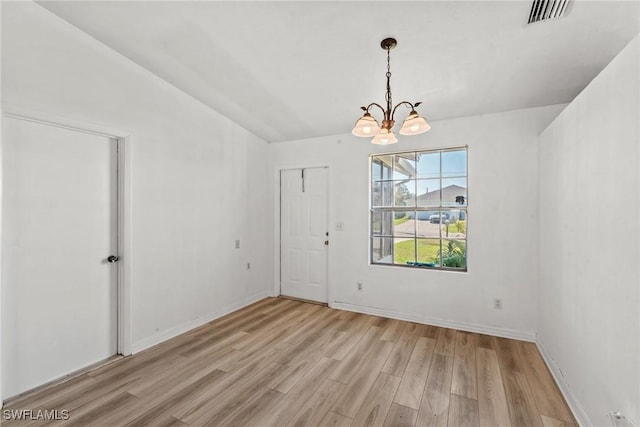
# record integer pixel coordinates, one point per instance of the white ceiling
(292, 70)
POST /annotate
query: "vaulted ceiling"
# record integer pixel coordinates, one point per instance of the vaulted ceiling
(298, 69)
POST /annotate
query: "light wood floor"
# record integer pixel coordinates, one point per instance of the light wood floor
(286, 363)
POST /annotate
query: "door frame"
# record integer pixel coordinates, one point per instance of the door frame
(277, 220)
(123, 165)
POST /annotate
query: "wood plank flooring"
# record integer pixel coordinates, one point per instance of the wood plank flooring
(284, 363)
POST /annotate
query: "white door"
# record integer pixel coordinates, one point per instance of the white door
(304, 233)
(59, 292)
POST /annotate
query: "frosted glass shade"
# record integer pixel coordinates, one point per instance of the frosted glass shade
(385, 137)
(414, 124)
(366, 126)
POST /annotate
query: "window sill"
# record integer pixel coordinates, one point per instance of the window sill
(421, 267)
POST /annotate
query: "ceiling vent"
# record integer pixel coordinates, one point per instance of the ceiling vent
(542, 10)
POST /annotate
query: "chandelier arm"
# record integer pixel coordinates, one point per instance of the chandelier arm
(379, 106)
(399, 104)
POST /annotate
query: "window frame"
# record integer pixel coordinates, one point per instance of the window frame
(440, 207)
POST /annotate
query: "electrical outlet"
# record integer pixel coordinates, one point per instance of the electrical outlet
(237, 244)
(497, 303)
(359, 285)
(340, 226)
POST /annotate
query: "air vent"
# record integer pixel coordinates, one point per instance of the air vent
(541, 10)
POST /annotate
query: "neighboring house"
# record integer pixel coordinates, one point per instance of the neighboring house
(449, 195)
(432, 198)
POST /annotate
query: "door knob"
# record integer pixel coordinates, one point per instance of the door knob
(326, 243)
(113, 258)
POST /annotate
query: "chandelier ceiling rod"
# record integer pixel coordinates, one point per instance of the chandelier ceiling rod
(367, 126)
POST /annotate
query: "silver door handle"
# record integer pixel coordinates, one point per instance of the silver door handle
(113, 258)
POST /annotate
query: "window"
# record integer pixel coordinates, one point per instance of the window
(419, 209)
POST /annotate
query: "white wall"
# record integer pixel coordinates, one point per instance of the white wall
(502, 257)
(197, 178)
(589, 313)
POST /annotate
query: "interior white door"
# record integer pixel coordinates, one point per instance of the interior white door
(304, 233)
(59, 292)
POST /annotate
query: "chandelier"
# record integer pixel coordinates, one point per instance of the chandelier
(367, 125)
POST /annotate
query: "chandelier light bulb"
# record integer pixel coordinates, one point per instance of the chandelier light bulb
(366, 126)
(414, 124)
(385, 137)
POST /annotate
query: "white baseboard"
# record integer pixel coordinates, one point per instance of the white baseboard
(192, 324)
(574, 405)
(462, 326)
